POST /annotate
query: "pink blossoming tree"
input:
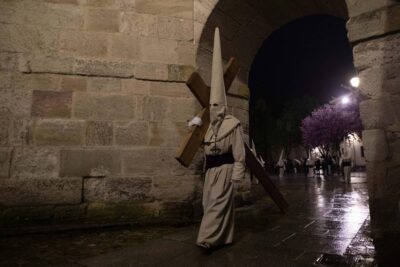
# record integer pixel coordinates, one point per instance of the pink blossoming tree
(328, 125)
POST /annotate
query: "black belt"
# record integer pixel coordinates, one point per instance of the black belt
(218, 160)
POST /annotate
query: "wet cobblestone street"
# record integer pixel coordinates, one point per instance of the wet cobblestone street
(327, 225)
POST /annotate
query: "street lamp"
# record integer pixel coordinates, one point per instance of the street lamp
(345, 100)
(355, 82)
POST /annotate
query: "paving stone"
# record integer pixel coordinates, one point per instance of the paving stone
(51, 104)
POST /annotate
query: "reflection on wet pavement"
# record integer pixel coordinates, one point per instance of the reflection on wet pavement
(328, 221)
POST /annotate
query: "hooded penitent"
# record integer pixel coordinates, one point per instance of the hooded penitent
(217, 94)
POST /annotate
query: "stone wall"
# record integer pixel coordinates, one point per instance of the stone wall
(93, 106)
(374, 30)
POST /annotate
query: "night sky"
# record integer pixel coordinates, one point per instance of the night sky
(309, 56)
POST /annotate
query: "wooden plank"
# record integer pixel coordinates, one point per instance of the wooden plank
(199, 89)
(193, 140)
(255, 167)
(231, 70)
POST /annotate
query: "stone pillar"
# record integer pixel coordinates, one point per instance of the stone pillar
(374, 30)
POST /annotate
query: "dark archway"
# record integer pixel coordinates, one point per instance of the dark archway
(300, 65)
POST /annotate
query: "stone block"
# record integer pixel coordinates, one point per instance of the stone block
(179, 73)
(171, 89)
(134, 86)
(165, 188)
(167, 134)
(130, 133)
(158, 50)
(89, 163)
(375, 145)
(103, 20)
(99, 133)
(73, 83)
(51, 104)
(7, 61)
(35, 81)
(117, 189)
(100, 84)
(378, 113)
(380, 81)
(15, 104)
(124, 47)
(26, 38)
(151, 71)
(183, 109)
(56, 132)
(132, 212)
(237, 102)
(19, 132)
(377, 52)
(49, 64)
(70, 212)
(40, 191)
(5, 161)
(35, 162)
(71, 2)
(4, 131)
(104, 106)
(187, 53)
(173, 8)
(357, 7)
(154, 108)
(5, 79)
(141, 161)
(139, 24)
(122, 4)
(374, 23)
(175, 28)
(392, 180)
(104, 68)
(26, 214)
(83, 44)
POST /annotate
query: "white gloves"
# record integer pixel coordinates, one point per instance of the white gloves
(195, 121)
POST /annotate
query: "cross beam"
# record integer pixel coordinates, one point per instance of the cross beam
(194, 139)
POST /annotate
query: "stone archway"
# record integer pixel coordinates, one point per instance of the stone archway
(244, 27)
(373, 29)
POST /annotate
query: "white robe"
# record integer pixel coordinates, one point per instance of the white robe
(217, 225)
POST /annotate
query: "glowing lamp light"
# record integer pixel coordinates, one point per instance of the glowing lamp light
(355, 82)
(345, 100)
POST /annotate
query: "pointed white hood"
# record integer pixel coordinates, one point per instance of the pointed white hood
(217, 94)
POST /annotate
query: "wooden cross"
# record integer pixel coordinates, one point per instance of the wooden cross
(194, 139)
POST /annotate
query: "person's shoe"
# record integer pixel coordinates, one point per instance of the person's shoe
(205, 248)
